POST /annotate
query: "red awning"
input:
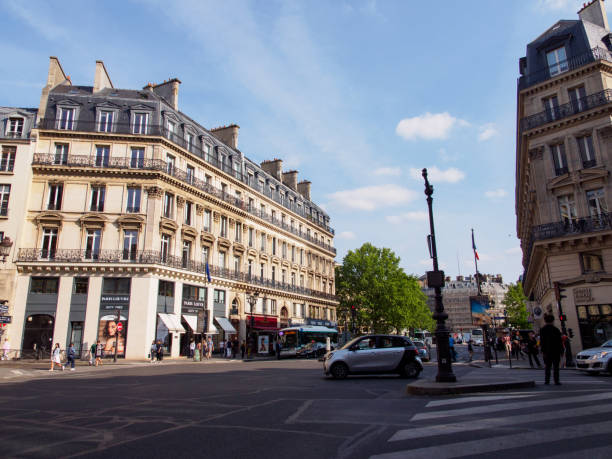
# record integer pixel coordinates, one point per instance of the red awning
(263, 328)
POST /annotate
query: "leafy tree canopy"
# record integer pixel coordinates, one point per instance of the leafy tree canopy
(386, 298)
(516, 306)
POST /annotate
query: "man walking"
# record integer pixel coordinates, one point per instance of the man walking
(451, 346)
(552, 347)
(532, 350)
(70, 355)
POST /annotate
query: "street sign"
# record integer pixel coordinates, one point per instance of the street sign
(3, 307)
(5, 319)
(120, 326)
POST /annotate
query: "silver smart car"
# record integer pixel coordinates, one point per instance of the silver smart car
(373, 354)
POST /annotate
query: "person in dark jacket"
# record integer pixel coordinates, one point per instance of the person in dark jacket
(532, 350)
(552, 348)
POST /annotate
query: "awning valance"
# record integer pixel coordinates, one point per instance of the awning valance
(172, 322)
(192, 321)
(226, 325)
(212, 330)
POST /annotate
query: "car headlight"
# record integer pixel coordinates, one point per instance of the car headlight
(600, 355)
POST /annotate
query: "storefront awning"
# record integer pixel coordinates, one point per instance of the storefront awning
(212, 330)
(192, 321)
(264, 328)
(172, 322)
(226, 325)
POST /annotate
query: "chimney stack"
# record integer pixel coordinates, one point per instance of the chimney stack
(304, 189)
(273, 167)
(55, 77)
(290, 179)
(227, 134)
(169, 90)
(101, 78)
(595, 13)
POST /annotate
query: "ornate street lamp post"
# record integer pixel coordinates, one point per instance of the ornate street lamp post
(435, 279)
(252, 299)
(5, 248)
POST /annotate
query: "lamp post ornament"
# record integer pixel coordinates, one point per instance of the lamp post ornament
(435, 279)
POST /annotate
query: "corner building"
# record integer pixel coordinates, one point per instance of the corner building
(137, 214)
(563, 163)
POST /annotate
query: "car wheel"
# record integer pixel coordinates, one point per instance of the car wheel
(411, 370)
(339, 370)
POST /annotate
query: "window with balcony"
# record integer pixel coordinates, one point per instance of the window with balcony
(171, 126)
(5, 194)
(205, 252)
(567, 208)
(130, 244)
(597, 202)
(97, 198)
(66, 119)
(61, 153)
(261, 271)
(551, 107)
(284, 276)
(219, 297)
(186, 254)
(273, 310)
(137, 158)
(236, 264)
(189, 141)
(139, 124)
(14, 127)
(133, 199)
(591, 262)
(263, 242)
(49, 243)
(250, 268)
(251, 237)
(284, 250)
(207, 220)
(55, 196)
(273, 213)
(105, 121)
(102, 155)
(293, 279)
(222, 257)
(587, 153)
(273, 274)
(170, 164)
(7, 159)
(273, 246)
(92, 244)
(168, 205)
(165, 247)
(238, 235)
(557, 61)
(578, 99)
(190, 174)
(188, 212)
(559, 159)
(223, 229)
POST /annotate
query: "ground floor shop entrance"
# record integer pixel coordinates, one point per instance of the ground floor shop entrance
(595, 324)
(38, 336)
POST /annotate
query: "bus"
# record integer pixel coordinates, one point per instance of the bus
(423, 335)
(477, 337)
(294, 338)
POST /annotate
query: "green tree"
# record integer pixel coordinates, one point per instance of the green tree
(386, 298)
(516, 308)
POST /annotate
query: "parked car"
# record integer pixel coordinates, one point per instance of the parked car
(311, 351)
(375, 354)
(423, 351)
(596, 359)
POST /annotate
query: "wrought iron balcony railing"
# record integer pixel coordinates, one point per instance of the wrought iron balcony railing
(209, 157)
(159, 165)
(158, 258)
(572, 63)
(567, 110)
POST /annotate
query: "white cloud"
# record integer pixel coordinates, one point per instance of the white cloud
(346, 235)
(428, 126)
(450, 175)
(393, 171)
(513, 251)
(38, 20)
(373, 197)
(496, 194)
(486, 132)
(408, 217)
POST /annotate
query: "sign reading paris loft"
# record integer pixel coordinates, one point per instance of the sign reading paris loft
(114, 301)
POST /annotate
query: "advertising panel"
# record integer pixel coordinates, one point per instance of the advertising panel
(109, 334)
(263, 344)
(479, 306)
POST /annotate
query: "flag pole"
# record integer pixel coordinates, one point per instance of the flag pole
(476, 263)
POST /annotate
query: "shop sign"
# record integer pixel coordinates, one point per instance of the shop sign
(5, 319)
(194, 304)
(583, 295)
(115, 299)
(320, 322)
(3, 307)
(296, 322)
(262, 321)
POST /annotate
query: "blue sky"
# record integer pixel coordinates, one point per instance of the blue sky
(358, 96)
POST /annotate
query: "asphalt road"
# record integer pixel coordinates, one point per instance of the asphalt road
(288, 409)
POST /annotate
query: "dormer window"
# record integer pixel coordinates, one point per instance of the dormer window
(139, 125)
(66, 119)
(14, 127)
(105, 121)
(557, 61)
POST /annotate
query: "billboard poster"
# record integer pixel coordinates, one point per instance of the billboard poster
(479, 306)
(109, 334)
(263, 344)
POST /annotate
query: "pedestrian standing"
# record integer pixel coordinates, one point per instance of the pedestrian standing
(159, 350)
(278, 349)
(191, 348)
(470, 350)
(56, 358)
(6, 349)
(222, 348)
(564, 339)
(92, 354)
(99, 349)
(70, 354)
(196, 352)
(552, 348)
(532, 350)
(243, 348)
(209, 348)
(228, 349)
(451, 346)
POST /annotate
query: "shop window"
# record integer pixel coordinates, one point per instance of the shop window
(592, 262)
(116, 285)
(47, 285)
(81, 285)
(166, 288)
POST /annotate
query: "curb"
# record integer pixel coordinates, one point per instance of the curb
(433, 388)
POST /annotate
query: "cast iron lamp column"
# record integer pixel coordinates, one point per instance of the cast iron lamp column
(252, 298)
(435, 279)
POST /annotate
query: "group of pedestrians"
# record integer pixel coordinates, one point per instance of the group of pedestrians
(56, 357)
(201, 350)
(229, 348)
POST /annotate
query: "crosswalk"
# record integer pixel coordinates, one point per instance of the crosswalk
(543, 424)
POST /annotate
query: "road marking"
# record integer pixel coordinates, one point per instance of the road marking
(456, 401)
(17, 372)
(511, 406)
(479, 424)
(494, 444)
(295, 416)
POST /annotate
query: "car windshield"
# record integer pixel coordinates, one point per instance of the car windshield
(607, 344)
(351, 342)
(418, 343)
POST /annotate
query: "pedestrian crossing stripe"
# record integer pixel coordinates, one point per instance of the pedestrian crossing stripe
(512, 406)
(483, 398)
(479, 424)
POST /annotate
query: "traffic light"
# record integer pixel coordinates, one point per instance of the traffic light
(562, 317)
(353, 311)
(571, 332)
(559, 292)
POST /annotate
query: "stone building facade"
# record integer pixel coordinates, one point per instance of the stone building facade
(564, 153)
(136, 214)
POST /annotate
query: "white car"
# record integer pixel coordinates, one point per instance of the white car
(596, 359)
